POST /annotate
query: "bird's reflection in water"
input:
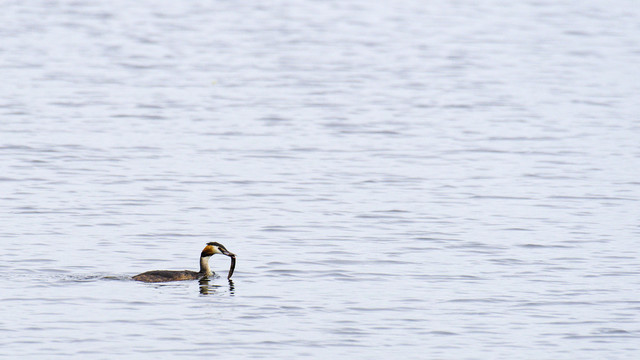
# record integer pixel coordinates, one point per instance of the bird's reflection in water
(206, 288)
(232, 288)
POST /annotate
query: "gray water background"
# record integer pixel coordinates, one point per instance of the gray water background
(399, 179)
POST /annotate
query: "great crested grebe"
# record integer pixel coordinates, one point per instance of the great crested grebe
(173, 275)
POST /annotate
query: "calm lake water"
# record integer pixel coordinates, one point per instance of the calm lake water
(399, 179)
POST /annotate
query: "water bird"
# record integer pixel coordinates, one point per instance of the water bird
(173, 275)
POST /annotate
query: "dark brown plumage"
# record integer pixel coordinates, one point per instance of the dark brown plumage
(168, 275)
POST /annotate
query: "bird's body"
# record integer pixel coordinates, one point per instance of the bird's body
(177, 275)
(168, 275)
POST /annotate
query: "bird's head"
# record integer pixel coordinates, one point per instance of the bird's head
(215, 248)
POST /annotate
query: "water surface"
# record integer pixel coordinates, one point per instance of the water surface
(404, 179)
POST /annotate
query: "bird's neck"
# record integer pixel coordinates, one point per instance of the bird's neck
(204, 266)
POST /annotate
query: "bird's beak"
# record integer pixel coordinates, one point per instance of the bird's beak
(226, 252)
